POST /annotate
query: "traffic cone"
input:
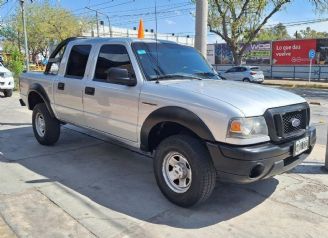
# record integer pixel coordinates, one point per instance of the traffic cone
(141, 32)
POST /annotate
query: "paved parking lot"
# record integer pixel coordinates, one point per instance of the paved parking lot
(87, 186)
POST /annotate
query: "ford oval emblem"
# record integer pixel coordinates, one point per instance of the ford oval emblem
(295, 122)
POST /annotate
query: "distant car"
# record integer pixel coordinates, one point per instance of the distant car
(7, 83)
(244, 73)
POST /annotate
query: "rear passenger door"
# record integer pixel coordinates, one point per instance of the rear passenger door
(69, 86)
(108, 106)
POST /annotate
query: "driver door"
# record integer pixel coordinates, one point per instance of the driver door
(108, 106)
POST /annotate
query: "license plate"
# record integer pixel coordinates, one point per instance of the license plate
(301, 145)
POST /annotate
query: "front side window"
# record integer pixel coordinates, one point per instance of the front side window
(232, 70)
(111, 56)
(77, 61)
(171, 61)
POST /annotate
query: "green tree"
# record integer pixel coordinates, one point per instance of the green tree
(240, 21)
(14, 59)
(46, 24)
(278, 32)
(309, 33)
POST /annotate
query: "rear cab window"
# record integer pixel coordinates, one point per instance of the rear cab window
(53, 64)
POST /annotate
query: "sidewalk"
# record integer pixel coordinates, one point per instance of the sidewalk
(5, 231)
(295, 83)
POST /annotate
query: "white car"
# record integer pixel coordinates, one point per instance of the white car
(244, 73)
(7, 82)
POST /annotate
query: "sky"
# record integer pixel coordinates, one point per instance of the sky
(174, 16)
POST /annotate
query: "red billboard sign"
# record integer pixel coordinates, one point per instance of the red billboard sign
(291, 52)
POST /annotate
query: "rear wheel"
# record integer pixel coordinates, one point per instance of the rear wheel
(246, 80)
(184, 170)
(8, 92)
(46, 128)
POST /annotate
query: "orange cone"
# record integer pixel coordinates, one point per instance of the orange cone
(141, 32)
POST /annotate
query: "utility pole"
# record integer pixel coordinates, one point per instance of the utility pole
(109, 25)
(96, 19)
(27, 57)
(201, 26)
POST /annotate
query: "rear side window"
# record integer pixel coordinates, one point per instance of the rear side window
(232, 70)
(111, 56)
(77, 61)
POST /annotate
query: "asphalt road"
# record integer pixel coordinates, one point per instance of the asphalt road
(86, 186)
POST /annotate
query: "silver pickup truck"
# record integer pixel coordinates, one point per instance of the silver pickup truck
(165, 99)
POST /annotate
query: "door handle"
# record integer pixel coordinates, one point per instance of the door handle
(61, 86)
(89, 91)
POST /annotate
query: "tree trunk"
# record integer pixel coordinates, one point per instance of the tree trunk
(236, 55)
(237, 58)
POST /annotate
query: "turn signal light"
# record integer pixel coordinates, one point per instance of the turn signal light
(235, 126)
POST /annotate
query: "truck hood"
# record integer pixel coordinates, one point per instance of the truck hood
(250, 99)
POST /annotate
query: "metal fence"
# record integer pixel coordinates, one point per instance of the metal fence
(318, 72)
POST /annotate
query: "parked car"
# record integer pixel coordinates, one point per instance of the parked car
(7, 83)
(166, 100)
(244, 73)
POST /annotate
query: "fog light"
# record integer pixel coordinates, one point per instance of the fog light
(256, 171)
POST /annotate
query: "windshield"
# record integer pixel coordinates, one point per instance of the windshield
(5, 74)
(171, 61)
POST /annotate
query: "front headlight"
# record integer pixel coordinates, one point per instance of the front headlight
(246, 128)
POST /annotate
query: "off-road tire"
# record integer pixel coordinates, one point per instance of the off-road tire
(52, 126)
(203, 172)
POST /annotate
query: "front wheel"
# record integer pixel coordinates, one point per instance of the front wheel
(246, 80)
(184, 170)
(46, 128)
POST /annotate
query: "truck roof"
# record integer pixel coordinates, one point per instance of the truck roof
(92, 40)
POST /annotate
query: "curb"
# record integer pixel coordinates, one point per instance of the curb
(290, 85)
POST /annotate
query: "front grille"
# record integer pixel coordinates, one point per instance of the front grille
(286, 122)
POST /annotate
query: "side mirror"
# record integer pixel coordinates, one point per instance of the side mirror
(120, 76)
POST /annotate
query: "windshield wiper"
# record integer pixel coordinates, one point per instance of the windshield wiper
(210, 74)
(175, 76)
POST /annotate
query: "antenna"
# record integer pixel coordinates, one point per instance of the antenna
(156, 27)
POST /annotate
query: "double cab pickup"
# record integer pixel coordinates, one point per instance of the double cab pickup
(166, 100)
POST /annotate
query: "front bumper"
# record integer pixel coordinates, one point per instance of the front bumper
(246, 164)
(5, 85)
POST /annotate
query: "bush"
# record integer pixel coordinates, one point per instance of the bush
(14, 60)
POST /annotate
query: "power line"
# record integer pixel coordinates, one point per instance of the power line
(150, 14)
(119, 4)
(159, 7)
(153, 13)
(93, 5)
(152, 19)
